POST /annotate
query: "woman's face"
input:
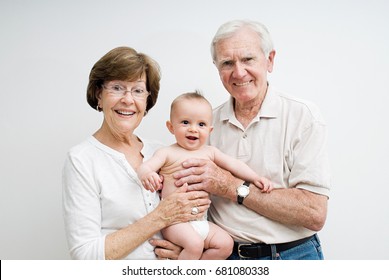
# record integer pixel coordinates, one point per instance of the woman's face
(124, 105)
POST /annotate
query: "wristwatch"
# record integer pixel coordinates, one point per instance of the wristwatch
(243, 191)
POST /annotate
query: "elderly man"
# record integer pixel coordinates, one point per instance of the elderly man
(278, 136)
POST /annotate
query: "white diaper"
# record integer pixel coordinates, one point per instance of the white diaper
(201, 227)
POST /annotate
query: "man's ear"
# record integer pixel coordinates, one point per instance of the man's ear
(170, 127)
(270, 61)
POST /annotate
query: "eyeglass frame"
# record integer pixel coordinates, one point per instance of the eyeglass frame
(124, 92)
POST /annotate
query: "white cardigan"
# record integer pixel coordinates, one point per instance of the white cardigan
(102, 194)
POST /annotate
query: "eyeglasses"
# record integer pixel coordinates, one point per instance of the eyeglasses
(118, 90)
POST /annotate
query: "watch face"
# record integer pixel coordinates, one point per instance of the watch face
(243, 191)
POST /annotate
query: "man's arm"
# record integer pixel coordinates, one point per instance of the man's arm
(292, 206)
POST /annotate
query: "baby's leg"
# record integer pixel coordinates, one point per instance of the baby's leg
(185, 236)
(218, 244)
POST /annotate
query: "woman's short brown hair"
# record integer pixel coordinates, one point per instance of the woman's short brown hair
(125, 64)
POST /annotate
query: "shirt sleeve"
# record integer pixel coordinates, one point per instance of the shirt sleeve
(82, 210)
(310, 169)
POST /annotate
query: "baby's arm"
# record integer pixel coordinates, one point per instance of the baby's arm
(147, 171)
(241, 170)
(264, 184)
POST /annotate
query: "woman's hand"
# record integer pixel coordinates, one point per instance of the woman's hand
(183, 206)
(179, 207)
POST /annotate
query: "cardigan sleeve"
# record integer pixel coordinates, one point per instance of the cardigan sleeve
(82, 210)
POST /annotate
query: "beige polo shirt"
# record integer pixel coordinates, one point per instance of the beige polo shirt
(286, 143)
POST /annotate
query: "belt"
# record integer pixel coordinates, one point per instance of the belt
(259, 250)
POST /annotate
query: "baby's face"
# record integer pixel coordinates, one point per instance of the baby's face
(191, 123)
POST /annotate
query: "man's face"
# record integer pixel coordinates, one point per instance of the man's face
(243, 66)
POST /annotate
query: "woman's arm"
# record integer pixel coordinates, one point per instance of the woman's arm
(175, 208)
(83, 220)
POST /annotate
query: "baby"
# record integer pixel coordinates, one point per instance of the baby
(191, 123)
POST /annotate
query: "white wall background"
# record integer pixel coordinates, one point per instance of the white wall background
(334, 53)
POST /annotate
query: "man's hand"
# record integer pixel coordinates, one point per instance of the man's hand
(202, 174)
(165, 250)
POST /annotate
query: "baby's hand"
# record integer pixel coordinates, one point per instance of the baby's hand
(152, 182)
(264, 184)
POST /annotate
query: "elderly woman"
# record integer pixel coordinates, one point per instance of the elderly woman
(107, 212)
